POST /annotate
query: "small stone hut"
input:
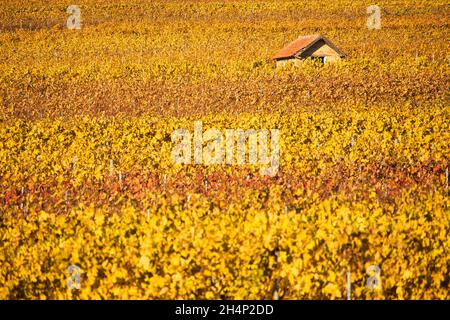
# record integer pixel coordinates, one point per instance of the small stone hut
(315, 47)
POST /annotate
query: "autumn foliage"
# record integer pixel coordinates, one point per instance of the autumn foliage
(87, 178)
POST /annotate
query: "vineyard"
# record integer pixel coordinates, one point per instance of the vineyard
(88, 181)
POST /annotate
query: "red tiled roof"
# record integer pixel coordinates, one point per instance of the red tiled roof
(295, 46)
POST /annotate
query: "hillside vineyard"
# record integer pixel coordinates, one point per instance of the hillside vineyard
(99, 103)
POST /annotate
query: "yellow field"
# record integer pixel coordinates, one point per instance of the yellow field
(86, 137)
